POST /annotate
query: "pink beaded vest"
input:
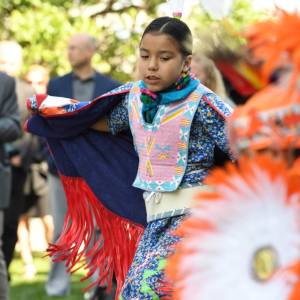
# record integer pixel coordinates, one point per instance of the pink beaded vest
(163, 145)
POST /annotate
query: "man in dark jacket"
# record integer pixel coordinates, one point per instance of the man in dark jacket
(21, 153)
(9, 131)
(82, 84)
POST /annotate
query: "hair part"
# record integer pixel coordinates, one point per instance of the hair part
(174, 28)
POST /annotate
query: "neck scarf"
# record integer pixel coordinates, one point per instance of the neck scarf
(184, 85)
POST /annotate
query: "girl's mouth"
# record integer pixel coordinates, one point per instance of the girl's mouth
(152, 79)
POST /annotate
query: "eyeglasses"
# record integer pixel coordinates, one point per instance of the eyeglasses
(75, 48)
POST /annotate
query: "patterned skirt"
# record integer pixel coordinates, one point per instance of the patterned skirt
(156, 245)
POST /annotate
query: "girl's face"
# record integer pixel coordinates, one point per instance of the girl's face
(160, 61)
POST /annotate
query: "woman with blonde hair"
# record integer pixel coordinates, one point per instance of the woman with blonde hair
(208, 74)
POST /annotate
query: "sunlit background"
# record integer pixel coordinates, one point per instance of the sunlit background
(43, 27)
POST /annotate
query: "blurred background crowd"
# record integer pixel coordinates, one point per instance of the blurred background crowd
(81, 49)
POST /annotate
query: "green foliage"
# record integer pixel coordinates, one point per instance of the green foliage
(240, 17)
(43, 28)
(222, 38)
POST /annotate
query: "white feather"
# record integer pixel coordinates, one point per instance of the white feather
(176, 5)
(218, 9)
(246, 219)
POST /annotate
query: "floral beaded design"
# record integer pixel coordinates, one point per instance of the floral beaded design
(156, 245)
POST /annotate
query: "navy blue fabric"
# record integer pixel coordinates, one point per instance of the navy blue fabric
(107, 163)
(62, 87)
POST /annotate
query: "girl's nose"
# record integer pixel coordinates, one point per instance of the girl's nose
(152, 66)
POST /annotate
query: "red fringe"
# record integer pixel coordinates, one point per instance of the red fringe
(166, 288)
(119, 239)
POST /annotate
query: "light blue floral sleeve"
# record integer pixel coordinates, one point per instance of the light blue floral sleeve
(208, 131)
(214, 124)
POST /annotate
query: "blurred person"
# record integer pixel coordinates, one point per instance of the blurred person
(84, 83)
(36, 189)
(9, 131)
(38, 77)
(11, 57)
(208, 74)
(240, 73)
(20, 150)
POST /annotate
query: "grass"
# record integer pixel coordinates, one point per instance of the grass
(34, 289)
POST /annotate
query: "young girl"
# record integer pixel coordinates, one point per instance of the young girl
(176, 124)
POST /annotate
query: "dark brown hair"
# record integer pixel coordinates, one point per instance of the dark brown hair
(176, 29)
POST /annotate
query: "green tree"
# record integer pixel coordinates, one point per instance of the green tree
(241, 15)
(43, 28)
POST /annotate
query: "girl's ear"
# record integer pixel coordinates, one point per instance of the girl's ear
(187, 63)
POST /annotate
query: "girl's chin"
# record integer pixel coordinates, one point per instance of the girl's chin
(155, 88)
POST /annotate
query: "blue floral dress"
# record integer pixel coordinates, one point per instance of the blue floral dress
(157, 244)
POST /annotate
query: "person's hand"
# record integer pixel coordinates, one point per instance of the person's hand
(16, 161)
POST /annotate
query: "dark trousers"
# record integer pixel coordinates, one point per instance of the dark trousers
(3, 271)
(12, 214)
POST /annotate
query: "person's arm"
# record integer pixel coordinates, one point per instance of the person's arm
(101, 125)
(215, 125)
(9, 113)
(116, 121)
(24, 142)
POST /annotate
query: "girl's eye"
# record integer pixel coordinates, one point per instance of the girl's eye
(144, 56)
(165, 58)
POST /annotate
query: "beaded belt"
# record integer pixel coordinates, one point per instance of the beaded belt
(171, 204)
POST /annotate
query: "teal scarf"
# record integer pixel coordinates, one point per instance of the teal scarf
(184, 85)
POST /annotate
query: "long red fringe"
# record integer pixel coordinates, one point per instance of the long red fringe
(115, 250)
(166, 288)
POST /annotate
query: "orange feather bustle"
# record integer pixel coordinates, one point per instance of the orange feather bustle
(295, 294)
(195, 226)
(246, 171)
(269, 117)
(276, 42)
(272, 116)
